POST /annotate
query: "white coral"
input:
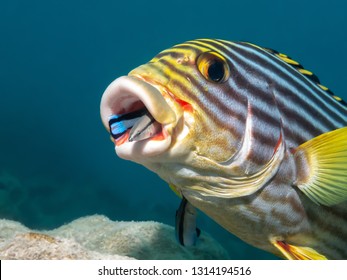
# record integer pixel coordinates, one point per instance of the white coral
(97, 237)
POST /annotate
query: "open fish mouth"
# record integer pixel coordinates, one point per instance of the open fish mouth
(137, 116)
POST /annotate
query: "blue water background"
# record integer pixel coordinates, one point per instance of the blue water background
(56, 59)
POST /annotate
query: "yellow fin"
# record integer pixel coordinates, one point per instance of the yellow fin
(296, 252)
(174, 189)
(322, 167)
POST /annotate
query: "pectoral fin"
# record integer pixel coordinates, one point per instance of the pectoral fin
(322, 167)
(296, 252)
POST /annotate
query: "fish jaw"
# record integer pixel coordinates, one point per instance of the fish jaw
(129, 93)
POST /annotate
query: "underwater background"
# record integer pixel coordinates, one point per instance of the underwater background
(56, 59)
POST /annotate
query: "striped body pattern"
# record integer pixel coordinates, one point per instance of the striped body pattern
(241, 112)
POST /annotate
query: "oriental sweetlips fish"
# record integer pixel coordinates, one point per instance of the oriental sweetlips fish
(246, 135)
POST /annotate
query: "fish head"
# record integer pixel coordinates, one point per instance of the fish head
(193, 92)
(175, 87)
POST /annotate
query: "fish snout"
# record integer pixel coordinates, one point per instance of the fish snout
(138, 117)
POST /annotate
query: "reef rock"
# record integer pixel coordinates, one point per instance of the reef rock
(97, 237)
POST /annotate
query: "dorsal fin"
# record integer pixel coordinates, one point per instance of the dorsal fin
(296, 65)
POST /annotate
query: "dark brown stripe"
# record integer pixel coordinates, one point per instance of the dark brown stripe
(228, 117)
(335, 226)
(273, 66)
(253, 89)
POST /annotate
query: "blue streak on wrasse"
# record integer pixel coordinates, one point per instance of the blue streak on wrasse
(119, 124)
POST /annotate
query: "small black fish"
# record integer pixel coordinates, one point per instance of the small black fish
(186, 231)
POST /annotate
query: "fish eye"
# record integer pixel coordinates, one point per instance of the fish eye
(213, 67)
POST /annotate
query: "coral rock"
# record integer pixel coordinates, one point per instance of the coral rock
(97, 237)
